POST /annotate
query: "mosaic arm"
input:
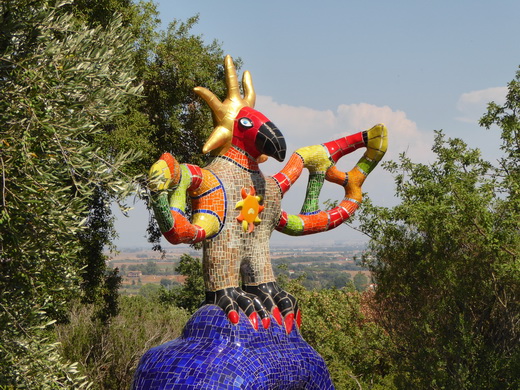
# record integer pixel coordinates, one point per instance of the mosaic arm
(170, 183)
(321, 161)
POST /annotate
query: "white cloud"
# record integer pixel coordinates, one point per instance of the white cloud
(303, 126)
(297, 122)
(403, 133)
(472, 105)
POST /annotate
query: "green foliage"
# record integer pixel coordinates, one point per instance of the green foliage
(108, 354)
(181, 62)
(60, 82)
(507, 118)
(446, 263)
(166, 283)
(33, 361)
(168, 116)
(360, 281)
(150, 291)
(176, 119)
(98, 284)
(338, 326)
(101, 12)
(337, 279)
(316, 272)
(151, 268)
(191, 294)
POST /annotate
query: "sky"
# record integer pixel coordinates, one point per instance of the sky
(322, 70)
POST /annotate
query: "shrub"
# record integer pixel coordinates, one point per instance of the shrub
(108, 354)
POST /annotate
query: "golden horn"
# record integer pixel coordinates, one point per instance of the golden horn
(220, 137)
(213, 102)
(249, 90)
(231, 79)
(225, 113)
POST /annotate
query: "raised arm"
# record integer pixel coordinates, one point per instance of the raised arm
(170, 184)
(321, 161)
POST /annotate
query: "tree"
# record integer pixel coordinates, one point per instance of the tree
(180, 62)
(336, 279)
(445, 261)
(61, 82)
(507, 118)
(166, 283)
(167, 117)
(191, 294)
(150, 291)
(360, 281)
(151, 268)
(100, 285)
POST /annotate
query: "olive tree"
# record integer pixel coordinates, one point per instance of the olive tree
(61, 82)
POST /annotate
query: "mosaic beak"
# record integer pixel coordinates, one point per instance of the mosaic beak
(270, 141)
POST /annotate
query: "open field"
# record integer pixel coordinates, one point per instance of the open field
(134, 264)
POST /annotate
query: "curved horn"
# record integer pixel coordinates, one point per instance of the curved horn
(213, 102)
(249, 90)
(218, 138)
(231, 79)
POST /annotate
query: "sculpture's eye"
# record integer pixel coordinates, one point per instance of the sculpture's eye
(245, 123)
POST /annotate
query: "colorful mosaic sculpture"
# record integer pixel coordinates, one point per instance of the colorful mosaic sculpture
(235, 208)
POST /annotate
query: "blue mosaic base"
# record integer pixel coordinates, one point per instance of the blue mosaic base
(214, 354)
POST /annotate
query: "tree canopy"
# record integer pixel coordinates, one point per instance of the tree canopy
(446, 262)
(61, 81)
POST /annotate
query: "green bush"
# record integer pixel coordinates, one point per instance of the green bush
(446, 262)
(191, 293)
(108, 354)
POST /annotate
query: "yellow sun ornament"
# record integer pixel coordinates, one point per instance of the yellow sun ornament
(250, 208)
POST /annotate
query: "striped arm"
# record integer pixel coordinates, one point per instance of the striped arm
(321, 160)
(170, 208)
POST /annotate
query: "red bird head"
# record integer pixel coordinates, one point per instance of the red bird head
(238, 124)
(254, 133)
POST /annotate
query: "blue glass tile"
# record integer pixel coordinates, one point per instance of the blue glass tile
(214, 354)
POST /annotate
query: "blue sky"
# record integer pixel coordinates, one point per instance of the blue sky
(325, 70)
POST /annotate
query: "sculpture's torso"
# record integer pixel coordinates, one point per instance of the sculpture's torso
(233, 252)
